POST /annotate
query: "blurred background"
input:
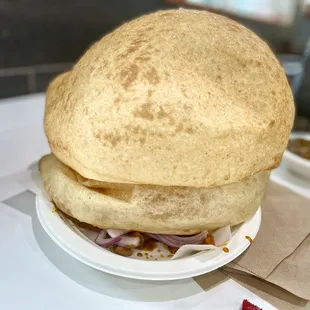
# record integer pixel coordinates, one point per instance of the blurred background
(41, 38)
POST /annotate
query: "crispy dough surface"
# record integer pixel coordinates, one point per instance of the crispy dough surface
(180, 97)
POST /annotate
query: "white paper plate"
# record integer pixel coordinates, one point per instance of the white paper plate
(101, 259)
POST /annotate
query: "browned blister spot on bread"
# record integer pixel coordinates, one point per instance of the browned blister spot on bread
(271, 123)
(129, 75)
(152, 76)
(144, 112)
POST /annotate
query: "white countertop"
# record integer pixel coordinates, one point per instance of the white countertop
(36, 274)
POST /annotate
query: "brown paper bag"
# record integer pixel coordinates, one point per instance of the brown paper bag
(276, 266)
(280, 253)
(275, 295)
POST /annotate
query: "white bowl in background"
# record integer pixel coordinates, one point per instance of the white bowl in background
(295, 163)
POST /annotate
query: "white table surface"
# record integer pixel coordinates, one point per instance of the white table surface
(36, 274)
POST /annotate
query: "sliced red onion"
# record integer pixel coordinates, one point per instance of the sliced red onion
(102, 235)
(222, 235)
(169, 242)
(178, 241)
(116, 232)
(162, 239)
(129, 241)
(188, 239)
(106, 242)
